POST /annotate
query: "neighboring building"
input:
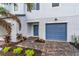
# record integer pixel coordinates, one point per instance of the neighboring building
(48, 21)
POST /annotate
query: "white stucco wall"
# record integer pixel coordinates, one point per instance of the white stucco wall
(65, 13)
(10, 8)
(14, 29)
(72, 26)
(47, 11)
(30, 30)
(23, 30)
(21, 9)
(3, 32)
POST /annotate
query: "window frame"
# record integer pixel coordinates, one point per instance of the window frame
(55, 4)
(36, 6)
(15, 7)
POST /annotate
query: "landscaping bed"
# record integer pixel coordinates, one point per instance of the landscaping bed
(14, 50)
(75, 41)
(76, 46)
(40, 48)
(11, 52)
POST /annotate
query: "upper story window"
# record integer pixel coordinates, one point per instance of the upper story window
(7, 3)
(55, 4)
(7, 6)
(15, 7)
(35, 6)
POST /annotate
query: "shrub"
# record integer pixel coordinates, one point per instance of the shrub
(29, 52)
(24, 38)
(76, 42)
(40, 40)
(17, 50)
(75, 39)
(6, 49)
(19, 36)
(7, 40)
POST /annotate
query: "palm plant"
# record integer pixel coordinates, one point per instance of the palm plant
(6, 13)
(2, 11)
(4, 24)
(29, 6)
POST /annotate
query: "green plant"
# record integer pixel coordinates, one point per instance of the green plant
(24, 38)
(29, 6)
(40, 40)
(2, 10)
(7, 40)
(19, 36)
(75, 39)
(6, 49)
(29, 52)
(17, 50)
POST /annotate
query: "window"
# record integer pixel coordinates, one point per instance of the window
(15, 7)
(55, 4)
(35, 6)
(6, 3)
(6, 6)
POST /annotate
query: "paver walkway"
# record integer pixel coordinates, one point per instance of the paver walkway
(51, 48)
(59, 48)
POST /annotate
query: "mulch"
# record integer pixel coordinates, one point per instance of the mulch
(76, 46)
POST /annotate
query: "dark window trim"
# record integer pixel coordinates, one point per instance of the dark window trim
(15, 5)
(37, 5)
(20, 14)
(55, 4)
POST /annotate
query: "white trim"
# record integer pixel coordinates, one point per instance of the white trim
(57, 40)
(50, 18)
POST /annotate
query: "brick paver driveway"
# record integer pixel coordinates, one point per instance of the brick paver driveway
(50, 48)
(58, 48)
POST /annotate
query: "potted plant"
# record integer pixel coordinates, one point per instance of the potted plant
(19, 37)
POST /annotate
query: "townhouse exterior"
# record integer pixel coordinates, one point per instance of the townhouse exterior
(48, 21)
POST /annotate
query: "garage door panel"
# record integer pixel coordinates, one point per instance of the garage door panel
(56, 31)
(56, 37)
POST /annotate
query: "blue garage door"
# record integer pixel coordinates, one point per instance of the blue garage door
(36, 28)
(56, 31)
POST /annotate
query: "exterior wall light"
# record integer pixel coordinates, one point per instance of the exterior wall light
(56, 19)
